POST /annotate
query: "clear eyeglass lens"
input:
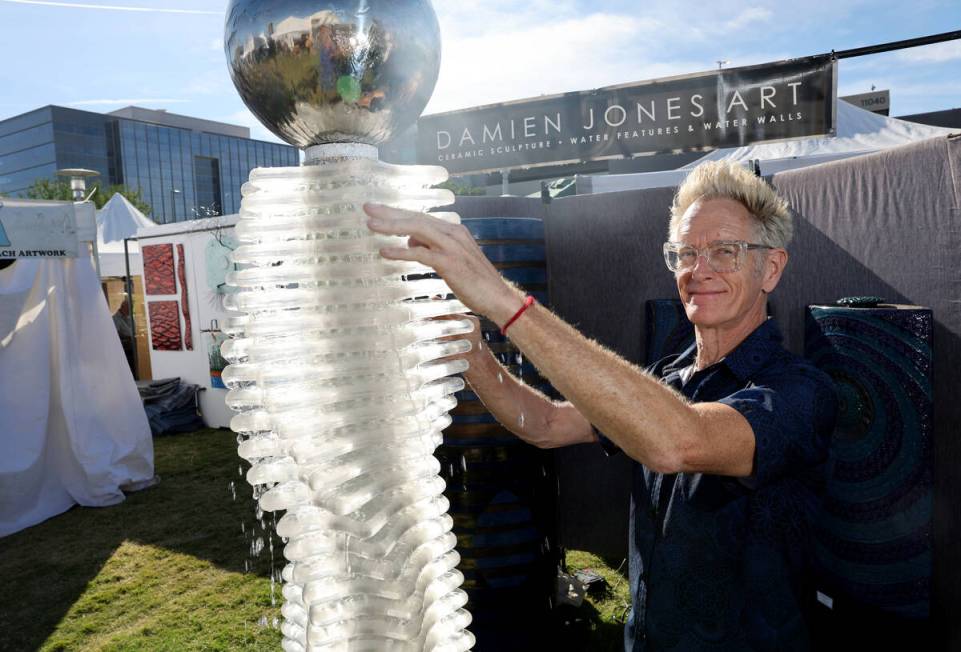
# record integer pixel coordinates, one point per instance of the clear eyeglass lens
(720, 257)
(672, 260)
(723, 258)
(686, 257)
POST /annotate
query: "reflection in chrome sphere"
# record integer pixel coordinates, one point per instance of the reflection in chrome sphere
(333, 71)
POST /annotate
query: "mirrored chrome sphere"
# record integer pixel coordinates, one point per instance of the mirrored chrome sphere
(333, 71)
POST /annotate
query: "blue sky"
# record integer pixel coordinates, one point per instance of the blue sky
(101, 55)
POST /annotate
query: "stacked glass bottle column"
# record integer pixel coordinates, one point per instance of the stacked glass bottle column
(339, 374)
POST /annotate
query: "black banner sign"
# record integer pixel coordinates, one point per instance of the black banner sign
(723, 108)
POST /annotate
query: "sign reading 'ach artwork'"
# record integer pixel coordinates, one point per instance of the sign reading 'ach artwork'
(723, 108)
(38, 229)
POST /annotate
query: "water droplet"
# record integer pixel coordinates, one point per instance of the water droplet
(500, 377)
(520, 420)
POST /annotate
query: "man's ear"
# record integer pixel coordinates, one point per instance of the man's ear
(773, 268)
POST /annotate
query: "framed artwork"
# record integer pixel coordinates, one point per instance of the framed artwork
(158, 268)
(165, 325)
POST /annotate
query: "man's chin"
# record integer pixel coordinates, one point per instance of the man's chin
(701, 316)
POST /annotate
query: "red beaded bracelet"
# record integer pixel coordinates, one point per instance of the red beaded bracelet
(528, 302)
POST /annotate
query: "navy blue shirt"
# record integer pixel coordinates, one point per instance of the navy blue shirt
(716, 563)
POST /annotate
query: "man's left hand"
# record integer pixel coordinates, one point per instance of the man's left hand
(451, 251)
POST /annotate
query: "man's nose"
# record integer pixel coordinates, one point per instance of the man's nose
(701, 268)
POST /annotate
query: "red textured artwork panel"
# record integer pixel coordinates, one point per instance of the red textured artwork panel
(182, 275)
(165, 325)
(158, 268)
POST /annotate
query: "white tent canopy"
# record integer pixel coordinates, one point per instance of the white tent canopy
(858, 132)
(119, 219)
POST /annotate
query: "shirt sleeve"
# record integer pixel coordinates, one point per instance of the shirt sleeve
(792, 418)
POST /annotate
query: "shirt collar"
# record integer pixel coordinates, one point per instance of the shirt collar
(746, 359)
(685, 359)
(755, 351)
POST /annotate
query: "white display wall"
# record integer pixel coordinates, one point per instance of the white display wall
(206, 244)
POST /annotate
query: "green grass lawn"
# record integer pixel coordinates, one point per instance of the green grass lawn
(172, 568)
(602, 617)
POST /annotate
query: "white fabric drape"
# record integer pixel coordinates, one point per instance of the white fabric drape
(72, 427)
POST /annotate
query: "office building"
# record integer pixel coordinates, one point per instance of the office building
(184, 167)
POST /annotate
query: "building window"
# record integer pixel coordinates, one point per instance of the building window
(207, 186)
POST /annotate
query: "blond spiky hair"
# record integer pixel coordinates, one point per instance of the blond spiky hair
(730, 180)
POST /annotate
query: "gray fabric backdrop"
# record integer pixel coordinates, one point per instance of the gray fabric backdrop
(886, 224)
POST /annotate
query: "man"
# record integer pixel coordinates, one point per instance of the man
(728, 437)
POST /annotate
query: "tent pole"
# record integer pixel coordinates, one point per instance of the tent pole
(897, 45)
(128, 283)
(96, 257)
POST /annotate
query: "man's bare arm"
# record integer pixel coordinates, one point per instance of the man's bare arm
(649, 421)
(523, 409)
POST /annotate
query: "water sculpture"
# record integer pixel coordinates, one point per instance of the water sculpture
(340, 374)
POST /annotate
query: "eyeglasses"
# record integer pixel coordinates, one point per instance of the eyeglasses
(723, 256)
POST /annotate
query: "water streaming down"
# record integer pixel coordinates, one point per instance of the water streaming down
(503, 491)
(342, 383)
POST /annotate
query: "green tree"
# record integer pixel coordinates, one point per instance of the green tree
(56, 189)
(461, 189)
(59, 189)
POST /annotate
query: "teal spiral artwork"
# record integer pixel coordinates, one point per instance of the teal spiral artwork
(874, 533)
